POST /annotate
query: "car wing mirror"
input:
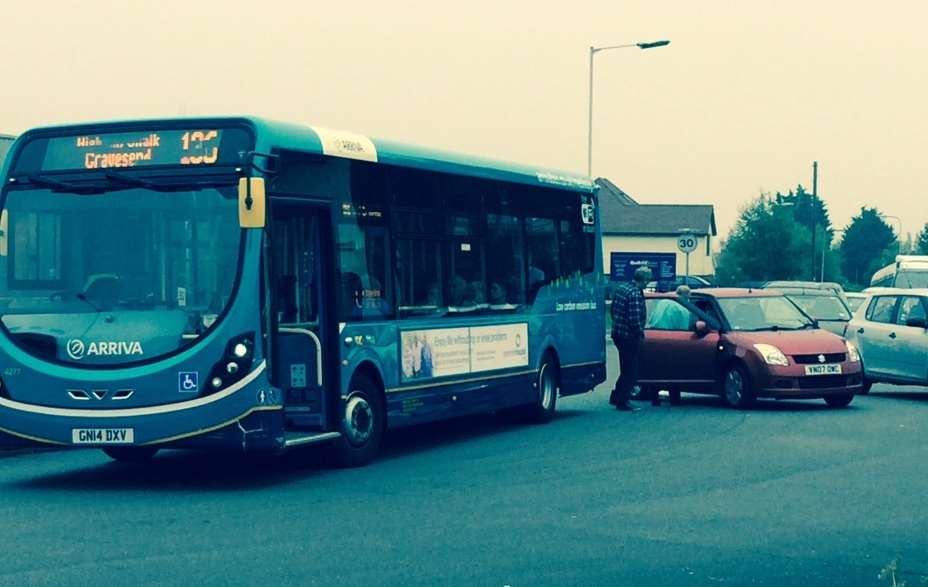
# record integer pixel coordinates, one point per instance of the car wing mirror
(701, 328)
(917, 322)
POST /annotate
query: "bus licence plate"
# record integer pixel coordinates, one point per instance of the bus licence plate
(823, 369)
(102, 435)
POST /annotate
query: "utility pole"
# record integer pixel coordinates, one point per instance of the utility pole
(812, 212)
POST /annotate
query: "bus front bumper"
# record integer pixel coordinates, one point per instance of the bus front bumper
(247, 415)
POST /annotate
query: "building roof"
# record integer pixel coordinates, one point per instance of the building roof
(656, 219)
(613, 194)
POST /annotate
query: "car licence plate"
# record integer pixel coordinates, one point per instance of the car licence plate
(102, 435)
(823, 369)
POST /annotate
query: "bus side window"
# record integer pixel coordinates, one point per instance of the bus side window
(505, 273)
(542, 246)
(362, 263)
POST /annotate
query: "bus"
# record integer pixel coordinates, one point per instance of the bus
(239, 282)
(907, 271)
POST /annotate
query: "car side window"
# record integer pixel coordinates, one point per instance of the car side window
(911, 307)
(706, 307)
(882, 309)
(667, 314)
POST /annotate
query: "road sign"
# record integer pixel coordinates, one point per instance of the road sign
(687, 242)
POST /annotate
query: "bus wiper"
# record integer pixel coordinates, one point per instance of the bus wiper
(61, 186)
(132, 181)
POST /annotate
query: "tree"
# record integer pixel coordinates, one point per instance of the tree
(811, 213)
(921, 241)
(867, 243)
(800, 201)
(766, 243)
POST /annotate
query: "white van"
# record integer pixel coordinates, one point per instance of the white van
(908, 271)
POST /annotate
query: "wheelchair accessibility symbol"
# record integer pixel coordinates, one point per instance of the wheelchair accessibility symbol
(188, 381)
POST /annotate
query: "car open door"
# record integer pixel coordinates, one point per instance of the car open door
(674, 353)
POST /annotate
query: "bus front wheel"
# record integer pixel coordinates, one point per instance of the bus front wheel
(362, 422)
(130, 454)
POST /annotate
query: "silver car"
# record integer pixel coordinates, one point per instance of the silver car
(891, 332)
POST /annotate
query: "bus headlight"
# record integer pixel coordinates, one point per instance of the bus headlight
(772, 355)
(853, 355)
(235, 363)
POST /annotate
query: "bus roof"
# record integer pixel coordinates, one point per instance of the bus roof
(275, 135)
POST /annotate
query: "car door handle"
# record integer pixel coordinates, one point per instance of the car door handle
(860, 331)
(892, 335)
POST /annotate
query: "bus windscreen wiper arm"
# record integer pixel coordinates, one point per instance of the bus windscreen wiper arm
(50, 182)
(132, 180)
(62, 186)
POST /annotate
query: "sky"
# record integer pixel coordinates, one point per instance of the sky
(746, 96)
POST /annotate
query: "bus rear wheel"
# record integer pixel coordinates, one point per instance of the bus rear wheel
(130, 454)
(362, 423)
(546, 386)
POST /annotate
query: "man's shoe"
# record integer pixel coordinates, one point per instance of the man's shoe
(612, 400)
(626, 408)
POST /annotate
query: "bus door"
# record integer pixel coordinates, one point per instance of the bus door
(297, 264)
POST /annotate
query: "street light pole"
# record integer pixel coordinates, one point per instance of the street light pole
(589, 133)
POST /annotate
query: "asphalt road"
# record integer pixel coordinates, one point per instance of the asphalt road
(789, 493)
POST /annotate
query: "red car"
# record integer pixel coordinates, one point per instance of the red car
(744, 344)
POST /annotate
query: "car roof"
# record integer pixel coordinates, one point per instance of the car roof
(901, 291)
(805, 291)
(825, 285)
(737, 292)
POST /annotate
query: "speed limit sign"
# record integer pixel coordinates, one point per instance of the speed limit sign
(687, 243)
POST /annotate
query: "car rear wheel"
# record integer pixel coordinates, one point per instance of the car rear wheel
(130, 454)
(840, 400)
(736, 388)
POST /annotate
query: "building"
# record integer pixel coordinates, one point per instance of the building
(5, 142)
(630, 227)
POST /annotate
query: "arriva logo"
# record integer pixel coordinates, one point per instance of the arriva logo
(77, 350)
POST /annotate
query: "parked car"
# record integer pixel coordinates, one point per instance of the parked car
(819, 285)
(854, 300)
(743, 344)
(891, 331)
(823, 305)
(693, 281)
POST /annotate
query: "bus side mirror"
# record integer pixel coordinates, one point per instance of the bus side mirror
(251, 202)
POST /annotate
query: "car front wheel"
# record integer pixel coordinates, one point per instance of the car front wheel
(736, 388)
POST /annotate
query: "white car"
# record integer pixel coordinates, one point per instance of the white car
(891, 332)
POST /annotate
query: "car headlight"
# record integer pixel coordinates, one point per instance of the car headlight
(853, 355)
(772, 355)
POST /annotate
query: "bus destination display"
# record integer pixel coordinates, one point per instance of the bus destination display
(133, 149)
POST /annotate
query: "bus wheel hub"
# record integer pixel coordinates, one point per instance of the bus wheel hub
(359, 420)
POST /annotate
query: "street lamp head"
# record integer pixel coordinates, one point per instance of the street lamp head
(653, 44)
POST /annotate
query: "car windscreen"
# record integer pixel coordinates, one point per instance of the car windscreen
(912, 278)
(854, 302)
(762, 313)
(821, 307)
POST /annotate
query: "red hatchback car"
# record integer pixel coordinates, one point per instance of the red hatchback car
(743, 344)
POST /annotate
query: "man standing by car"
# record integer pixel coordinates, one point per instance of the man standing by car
(628, 319)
